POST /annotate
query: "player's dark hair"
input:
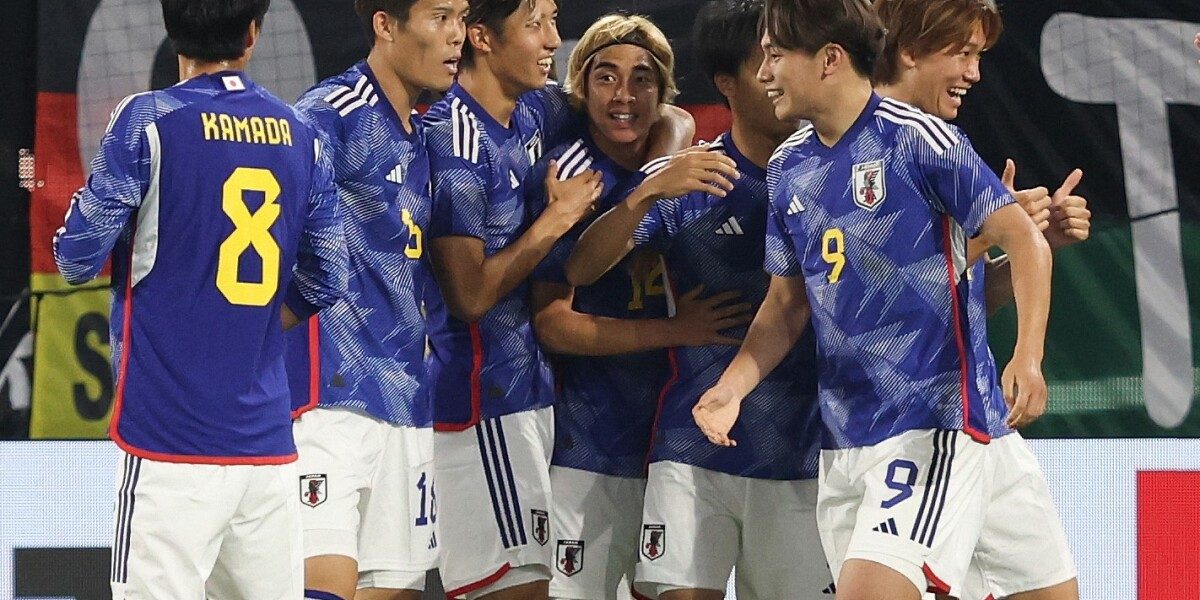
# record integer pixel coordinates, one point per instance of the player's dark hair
(211, 30)
(366, 9)
(490, 14)
(725, 35)
(925, 27)
(808, 25)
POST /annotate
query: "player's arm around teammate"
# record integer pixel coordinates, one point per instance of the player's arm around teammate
(607, 240)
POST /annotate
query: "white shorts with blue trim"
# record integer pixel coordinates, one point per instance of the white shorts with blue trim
(494, 501)
(914, 503)
(1022, 546)
(206, 531)
(367, 492)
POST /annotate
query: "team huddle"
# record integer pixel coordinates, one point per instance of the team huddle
(537, 340)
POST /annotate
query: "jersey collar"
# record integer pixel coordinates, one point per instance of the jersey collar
(385, 106)
(744, 164)
(861, 122)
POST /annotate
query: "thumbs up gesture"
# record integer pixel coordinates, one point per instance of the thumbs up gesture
(1063, 217)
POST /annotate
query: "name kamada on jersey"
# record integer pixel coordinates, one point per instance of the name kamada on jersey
(199, 284)
(877, 226)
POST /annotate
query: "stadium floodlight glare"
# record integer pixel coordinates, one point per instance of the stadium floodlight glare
(1141, 66)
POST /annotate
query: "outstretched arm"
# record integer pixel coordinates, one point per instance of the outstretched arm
(779, 323)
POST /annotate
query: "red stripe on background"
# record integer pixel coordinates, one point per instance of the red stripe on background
(1167, 544)
(711, 119)
(56, 145)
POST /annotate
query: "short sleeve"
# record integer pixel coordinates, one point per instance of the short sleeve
(459, 189)
(962, 185)
(780, 250)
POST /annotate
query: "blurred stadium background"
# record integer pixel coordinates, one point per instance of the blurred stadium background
(1109, 86)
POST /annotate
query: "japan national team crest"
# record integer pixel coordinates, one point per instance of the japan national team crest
(569, 557)
(654, 541)
(869, 189)
(313, 489)
(541, 526)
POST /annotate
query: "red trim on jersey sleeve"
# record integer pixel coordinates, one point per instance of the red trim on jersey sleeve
(314, 368)
(964, 379)
(476, 384)
(482, 583)
(936, 585)
(114, 430)
(673, 361)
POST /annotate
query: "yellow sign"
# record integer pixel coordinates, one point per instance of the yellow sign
(72, 377)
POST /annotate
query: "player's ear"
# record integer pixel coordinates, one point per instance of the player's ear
(381, 22)
(480, 37)
(251, 37)
(906, 58)
(726, 84)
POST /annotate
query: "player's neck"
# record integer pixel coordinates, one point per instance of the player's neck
(491, 93)
(630, 155)
(399, 93)
(191, 67)
(755, 144)
(897, 91)
(845, 104)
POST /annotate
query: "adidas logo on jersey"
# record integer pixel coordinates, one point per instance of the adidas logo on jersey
(888, 526)
(795, 208)
(730, 227)
(397, 174)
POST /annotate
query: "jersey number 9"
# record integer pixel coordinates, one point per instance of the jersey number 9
(833, 250)
(250, 230)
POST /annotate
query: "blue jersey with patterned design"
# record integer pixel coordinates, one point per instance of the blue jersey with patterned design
(217, 203)
(494, 366)
(718, 243)
(367, 352)
(987, 374)
(877, 227)
(606, 404)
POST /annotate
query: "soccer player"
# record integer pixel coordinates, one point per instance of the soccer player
(870, 209)
(609, 335)
(707, 508)
(366, 484)
(492, 387)
(1022, 551)
(216, 201)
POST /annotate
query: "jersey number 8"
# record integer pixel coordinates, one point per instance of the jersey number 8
(250, 230)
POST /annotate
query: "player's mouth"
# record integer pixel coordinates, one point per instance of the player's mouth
(956, 95)
(774, 95)
(452, 64)
(622, 119)
(544, 65)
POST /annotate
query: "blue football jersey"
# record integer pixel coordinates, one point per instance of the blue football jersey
(367, 352)
(606, 404)
(494, 366)
(877, 226)
(217, 203)
(987, 374)
(718, 243)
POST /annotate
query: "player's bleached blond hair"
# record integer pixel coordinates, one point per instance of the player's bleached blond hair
(615, 30)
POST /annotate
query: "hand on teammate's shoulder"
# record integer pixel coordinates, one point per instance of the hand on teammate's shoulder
(695, 169)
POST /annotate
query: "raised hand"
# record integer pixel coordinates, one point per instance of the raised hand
(695, 169)
(699, 322)
(1070, 219)
(1036, 201)
(569, 200)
